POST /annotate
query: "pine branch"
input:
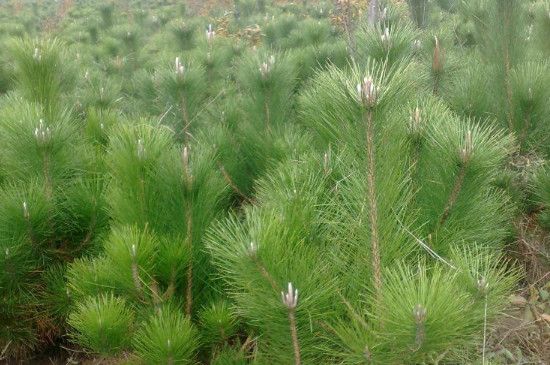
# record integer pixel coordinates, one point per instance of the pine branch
(89, 234)
(419, 314)
(30, 233)
(91, 230)
(452, 198)
(290, 300)
(252, 253)
(526, 125)
(43, 136)
(155, 294)
(372, 202)
(142, 187)
(465, 158)
(266, 110)
(352, 310)
(135, 271)
(171, 287)
(46, 162)
(188, 235)
(437, 66)
(415, 131)
(294, 332)
(185, 118)
(9, 266)
(367, 95)
(189, 291)
(230, 182)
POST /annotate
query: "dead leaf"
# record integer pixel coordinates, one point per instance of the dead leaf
(518, 301)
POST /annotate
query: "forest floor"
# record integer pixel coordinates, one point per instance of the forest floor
(522, 334)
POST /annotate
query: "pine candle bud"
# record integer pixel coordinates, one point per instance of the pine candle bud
(386, 39)
(290, 299)
(419, 314)
(264, 70)
(210, 34)
(414, 122)
(366, 92)
(252, 250)
(383, 14)
(367, 353)
(25, 210)
(417, 45)
(134, 251)
(37, 57)
(140, 149)
(42, 133)
(483, 286)
(266, 67)
(437, 62)
(186, 158)
(466, 152)
(180, 69)
(9, 266)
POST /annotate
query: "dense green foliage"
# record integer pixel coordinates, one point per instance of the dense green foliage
(182, 187)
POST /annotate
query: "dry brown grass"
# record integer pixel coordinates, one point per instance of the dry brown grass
(522, 334)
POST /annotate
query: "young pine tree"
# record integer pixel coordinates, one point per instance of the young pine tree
(336, 263)
(162, 198)
(52, 203)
